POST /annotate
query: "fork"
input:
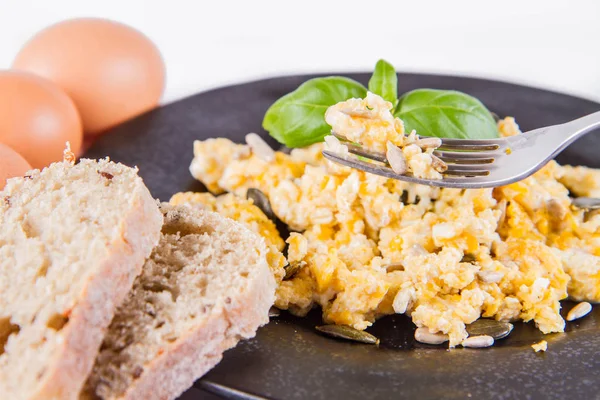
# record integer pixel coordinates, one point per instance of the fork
(481, 163)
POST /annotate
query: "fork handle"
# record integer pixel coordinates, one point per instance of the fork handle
(581, 126)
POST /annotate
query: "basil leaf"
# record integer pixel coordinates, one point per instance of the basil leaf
(384, 82)
(298, 118)
(446, 113)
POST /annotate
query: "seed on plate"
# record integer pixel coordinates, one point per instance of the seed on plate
(580, 310)
(556, 209)
(490, 276)
(423, 335)
(260, 147)
(477, 342)
(274, 312)
(292, 269)
(438, 164)
(396, 158)
(429, 143)
(261, 201)
(489, 327)
(348, 333)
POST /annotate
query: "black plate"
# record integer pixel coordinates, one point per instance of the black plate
(287, 359)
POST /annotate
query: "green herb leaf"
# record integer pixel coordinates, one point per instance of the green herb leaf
(384, 82)
(298, 118)
(446, 113)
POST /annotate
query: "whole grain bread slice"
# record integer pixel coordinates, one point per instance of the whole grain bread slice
(206, 286)
(73, 237)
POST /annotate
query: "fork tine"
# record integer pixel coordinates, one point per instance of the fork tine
(480, 157)
(469, 147)
(448, 181)
(467, 169)
(466, 173)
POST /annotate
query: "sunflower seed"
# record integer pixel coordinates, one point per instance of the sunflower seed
(490, 327)
(292, 269)
(477, 342)
(423, 335)
(429, 143)
(580, 310)
(502, 207)
(348, 333)
(260, 147)
(396, 158)
(274, 312)
(490, 276)
(555, 209)
(438, 164)
(261, 201)
(393, 267)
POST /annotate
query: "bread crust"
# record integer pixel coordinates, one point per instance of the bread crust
(139, 233)
(195, 353)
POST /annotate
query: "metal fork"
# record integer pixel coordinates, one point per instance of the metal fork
(482, 163)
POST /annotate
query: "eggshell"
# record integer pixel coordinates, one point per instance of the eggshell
(11, 164)
(37, 118)
(110, 70)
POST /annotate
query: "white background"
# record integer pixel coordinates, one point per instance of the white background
(547, 43)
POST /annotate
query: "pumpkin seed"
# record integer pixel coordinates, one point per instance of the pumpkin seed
(292, 269)
(348, 333)
(261, 201)
(468, 258)
(586, 203)
(274, 312)
(490, 327)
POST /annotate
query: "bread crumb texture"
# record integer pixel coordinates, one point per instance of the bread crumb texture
(206, 285)
(66, 242)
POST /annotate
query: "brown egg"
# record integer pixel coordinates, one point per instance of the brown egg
(11, 164)
(111, 71)
(37, 118)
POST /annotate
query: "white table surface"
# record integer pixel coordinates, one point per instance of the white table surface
(552, 44)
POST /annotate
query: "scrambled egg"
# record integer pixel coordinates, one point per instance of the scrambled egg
(370, 123)
(445, 257)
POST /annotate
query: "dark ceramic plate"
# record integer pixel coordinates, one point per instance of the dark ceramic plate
(287, 359)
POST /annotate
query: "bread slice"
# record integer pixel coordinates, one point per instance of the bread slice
(206, 286)
(72, 240)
